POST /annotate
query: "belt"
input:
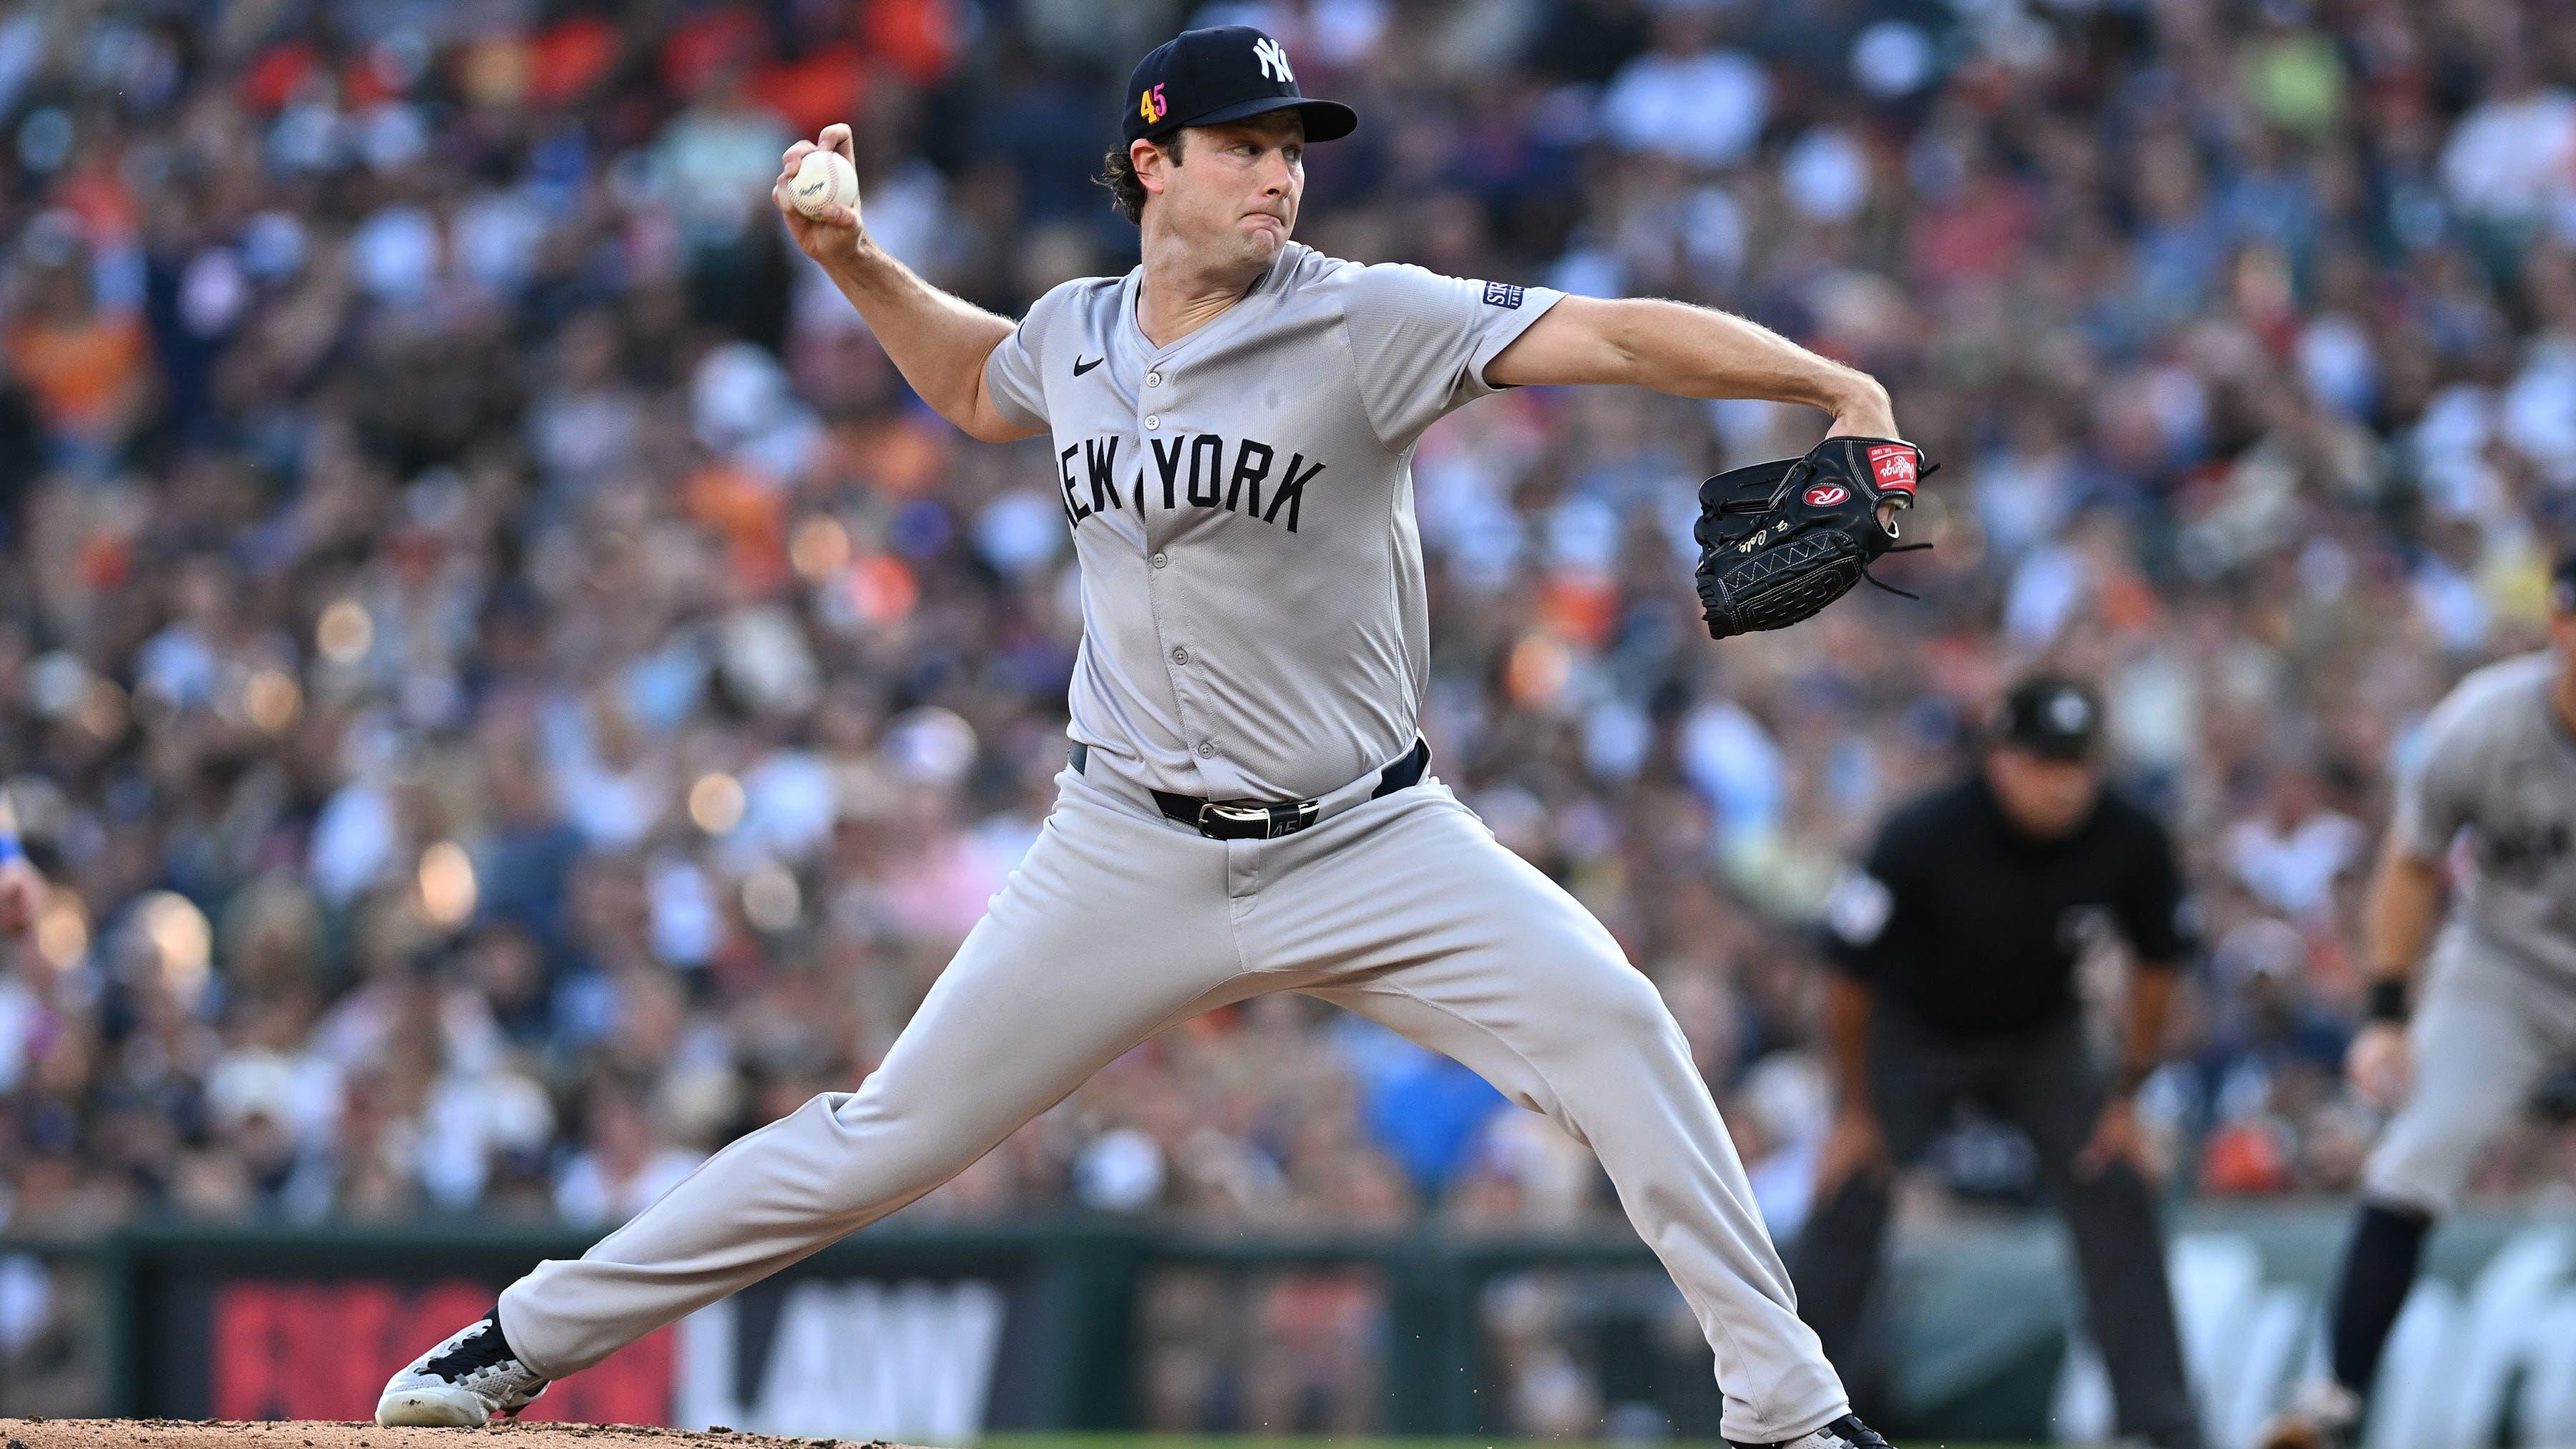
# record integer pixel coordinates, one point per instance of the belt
(1260, 820)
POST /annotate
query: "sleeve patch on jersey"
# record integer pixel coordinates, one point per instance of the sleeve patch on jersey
(1503, 295)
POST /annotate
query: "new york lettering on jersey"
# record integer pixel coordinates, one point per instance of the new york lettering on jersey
(1205, 471)
(1251, 582)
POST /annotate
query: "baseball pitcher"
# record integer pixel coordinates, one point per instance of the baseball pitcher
(1248, 806)
(2498, 1009)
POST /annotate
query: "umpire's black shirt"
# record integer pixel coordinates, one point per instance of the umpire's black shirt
(1974, 927)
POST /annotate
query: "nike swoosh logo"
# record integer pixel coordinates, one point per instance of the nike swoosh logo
(1080, 367)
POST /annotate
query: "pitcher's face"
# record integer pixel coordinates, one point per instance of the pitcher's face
(1232, 196)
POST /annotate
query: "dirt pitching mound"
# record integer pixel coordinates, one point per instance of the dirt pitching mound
(312, 1434)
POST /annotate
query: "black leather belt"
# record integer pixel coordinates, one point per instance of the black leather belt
(1260, 820)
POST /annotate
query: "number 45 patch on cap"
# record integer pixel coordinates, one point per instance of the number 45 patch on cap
(1503, 295)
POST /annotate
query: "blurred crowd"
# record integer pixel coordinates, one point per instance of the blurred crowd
(515, 692)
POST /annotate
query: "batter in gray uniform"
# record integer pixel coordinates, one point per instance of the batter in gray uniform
(1247, 809)
(2497, 773)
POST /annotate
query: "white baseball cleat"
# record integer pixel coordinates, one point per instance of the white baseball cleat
(461, 1383)
(2321, 1415)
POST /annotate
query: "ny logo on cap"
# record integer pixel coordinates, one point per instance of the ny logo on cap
(1274, 61)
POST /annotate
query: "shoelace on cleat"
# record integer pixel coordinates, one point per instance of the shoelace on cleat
(482, 1348)
(1849, 1429)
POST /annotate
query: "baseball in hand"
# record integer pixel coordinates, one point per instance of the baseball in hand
(823, 179)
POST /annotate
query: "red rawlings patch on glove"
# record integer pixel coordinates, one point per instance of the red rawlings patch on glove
(1894, 465)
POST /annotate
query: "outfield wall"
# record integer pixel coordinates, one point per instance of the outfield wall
(939, 1336)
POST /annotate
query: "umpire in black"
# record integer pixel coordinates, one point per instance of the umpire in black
(1955, 952)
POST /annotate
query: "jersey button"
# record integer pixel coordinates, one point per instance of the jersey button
(1151, 423)
(1180, 656)
(1207, 749)
(1161, 558)
(1153, 379)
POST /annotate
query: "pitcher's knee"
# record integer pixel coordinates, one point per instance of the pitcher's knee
(884, 1153)
(897, 1176)
(1606, 996)
(1627, 1014)
(1615, 1043)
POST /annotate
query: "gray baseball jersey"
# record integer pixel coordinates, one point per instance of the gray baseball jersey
(2498, 1009)
(1253, 618)
(2498, 763)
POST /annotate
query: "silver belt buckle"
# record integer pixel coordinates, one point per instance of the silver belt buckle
(1236, 814)
(1273, 823)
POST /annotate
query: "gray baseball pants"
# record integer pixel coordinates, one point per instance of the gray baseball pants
(1120, 923)
(2489, 1031)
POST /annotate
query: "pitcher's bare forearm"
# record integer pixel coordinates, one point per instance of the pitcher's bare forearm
(937, 340)
(1687, 351)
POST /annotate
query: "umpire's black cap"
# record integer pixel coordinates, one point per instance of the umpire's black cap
(2051, 715)
(1223, 73)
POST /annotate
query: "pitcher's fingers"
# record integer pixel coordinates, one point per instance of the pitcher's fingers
(836, 137)
(795, 157)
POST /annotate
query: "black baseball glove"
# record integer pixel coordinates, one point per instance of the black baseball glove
(1778, 541)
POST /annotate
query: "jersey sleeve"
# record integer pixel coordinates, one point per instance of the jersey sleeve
(2153, 910)
(1015, 373)
(1420, 341)
(2437, 791)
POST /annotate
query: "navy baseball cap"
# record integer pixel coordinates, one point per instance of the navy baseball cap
(2051, 716)
(1223, 73)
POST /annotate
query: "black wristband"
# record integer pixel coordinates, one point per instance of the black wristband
(2388, 999)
